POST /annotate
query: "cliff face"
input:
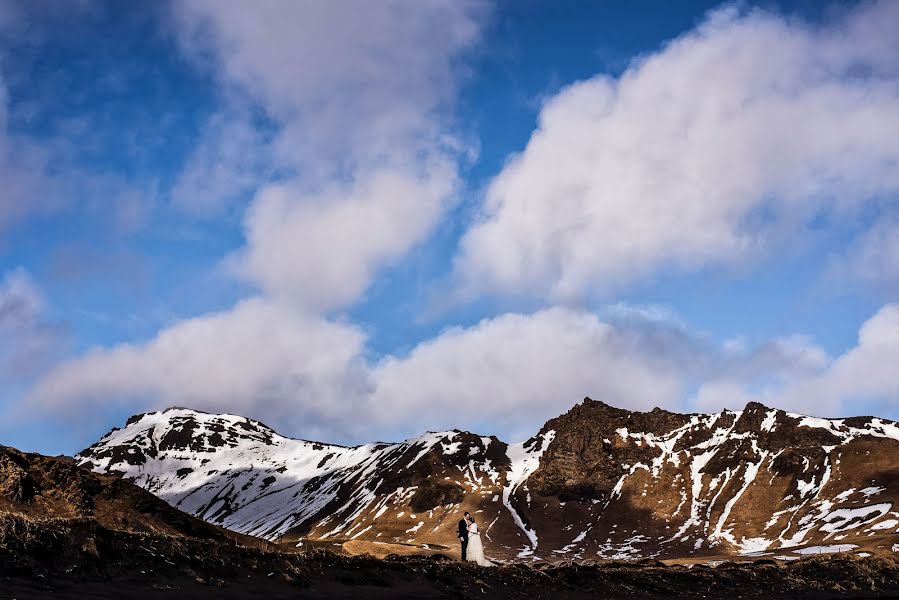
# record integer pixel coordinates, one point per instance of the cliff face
(595, 482)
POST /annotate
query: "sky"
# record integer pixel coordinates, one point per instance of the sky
(359, 221)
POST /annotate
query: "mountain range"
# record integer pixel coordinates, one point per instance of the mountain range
(595, 482)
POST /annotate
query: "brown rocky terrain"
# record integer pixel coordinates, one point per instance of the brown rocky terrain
(41, 488)
(68, 533)
(78, 559)
(595, 483)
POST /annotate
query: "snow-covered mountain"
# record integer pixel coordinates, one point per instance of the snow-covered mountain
(595, 482)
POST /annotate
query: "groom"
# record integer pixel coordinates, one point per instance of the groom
(463, 535)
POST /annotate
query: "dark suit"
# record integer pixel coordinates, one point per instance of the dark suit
(463, 536)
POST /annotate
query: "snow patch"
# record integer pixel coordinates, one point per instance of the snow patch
(826, 549)
(843, 519)
(770, 420)
(524, 461)
(888, 524)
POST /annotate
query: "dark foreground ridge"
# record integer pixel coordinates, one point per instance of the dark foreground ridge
(77, 558)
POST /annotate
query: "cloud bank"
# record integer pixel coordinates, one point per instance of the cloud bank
(512, 371)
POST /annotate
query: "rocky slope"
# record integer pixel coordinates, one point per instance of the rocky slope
(72, 559)
(43, 489)
(596, 482)
(58, 565)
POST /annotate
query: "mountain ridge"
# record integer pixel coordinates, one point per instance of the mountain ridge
(596, 481)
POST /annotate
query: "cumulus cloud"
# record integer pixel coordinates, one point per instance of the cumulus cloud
(781, 357)
(865, 372)
(504, 375)
(760, 372)
(260, 358)
(520, 370)
(817, 383)
(732, 136)
(321, 250)
(698, 154)
(350, 81)
(360, 97)
(358, 128)
(624, 311)
(310, 375)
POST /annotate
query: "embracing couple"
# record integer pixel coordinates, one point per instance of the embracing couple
(470, 536)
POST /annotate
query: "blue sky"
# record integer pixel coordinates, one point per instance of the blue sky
(357, 221)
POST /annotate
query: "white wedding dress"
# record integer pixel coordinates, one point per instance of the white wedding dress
(475, 552)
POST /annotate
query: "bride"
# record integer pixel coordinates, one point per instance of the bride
(475, 551)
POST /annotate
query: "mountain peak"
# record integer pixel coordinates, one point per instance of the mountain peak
(754, 406)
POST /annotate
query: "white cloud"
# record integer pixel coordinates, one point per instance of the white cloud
(743, 372)
(714, 396)
(799, 376)
(351, 81)
(309, 375)
(625, 311)
(322, 249)
(260, 358)
(504, 375)
(360, 95)
(865, 372)
(698, 154)
(778, 358)
(731, 137)
(515, 371)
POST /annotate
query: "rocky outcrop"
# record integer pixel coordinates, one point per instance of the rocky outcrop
(589, 455)
(39, 488)
(15, 483)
